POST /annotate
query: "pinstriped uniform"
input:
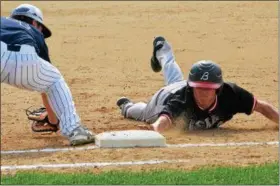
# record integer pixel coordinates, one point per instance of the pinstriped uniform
(22, 67)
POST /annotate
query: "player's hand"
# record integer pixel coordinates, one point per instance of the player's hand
(40, 120)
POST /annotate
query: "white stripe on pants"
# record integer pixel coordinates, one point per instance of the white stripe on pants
(25, 69)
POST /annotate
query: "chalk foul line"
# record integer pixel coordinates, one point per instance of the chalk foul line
(188, 145)
(94, 164)
(224, 144)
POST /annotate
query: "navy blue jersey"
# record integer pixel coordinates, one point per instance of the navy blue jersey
(18, 32)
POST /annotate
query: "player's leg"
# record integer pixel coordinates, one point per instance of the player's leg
(172, 74)
(131, 110)
(147, 112)
(31, 72)
(61, 101)
(164, 57)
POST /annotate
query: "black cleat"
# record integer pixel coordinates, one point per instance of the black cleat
(157, 44)
(122, 101)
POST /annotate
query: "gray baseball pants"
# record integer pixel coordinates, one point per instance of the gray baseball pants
(174, 80)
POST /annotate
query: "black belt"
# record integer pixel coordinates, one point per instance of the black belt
(13, 48)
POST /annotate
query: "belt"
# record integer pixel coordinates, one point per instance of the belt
(13, 48)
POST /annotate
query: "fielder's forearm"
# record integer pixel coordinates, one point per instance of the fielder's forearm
(51, 115)
(163, 123)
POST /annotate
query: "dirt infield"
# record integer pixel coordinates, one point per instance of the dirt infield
(103, 51)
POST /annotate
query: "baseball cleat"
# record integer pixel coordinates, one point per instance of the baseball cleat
(80, 136)
(157, 45)
(122, 101)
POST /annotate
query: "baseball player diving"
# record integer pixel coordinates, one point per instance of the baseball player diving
(25, 63)
(204, 100)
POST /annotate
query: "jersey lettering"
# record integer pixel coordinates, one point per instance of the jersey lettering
(207, 123)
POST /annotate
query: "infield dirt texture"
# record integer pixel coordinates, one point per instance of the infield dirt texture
(103, 50)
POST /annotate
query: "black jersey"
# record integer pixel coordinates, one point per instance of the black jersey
(231, 100)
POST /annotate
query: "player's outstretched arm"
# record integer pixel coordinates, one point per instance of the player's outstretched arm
(162, 123)
(268, 111)
(51, 115)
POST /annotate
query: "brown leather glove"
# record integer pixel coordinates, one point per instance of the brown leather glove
(40, 121)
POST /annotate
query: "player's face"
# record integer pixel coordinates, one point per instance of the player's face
(38, 26)
(204, 96)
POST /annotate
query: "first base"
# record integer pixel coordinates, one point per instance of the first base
(130, 138)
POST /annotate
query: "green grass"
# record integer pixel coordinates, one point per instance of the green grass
(254, 175)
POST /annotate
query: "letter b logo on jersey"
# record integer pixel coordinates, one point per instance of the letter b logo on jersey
(205, 76)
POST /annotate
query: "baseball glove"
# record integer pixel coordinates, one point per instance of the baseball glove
(40, 121)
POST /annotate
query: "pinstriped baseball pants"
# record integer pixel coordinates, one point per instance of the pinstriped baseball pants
(26, 70)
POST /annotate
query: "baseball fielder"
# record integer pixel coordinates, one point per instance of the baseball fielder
(25, 63)
(204, 101)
